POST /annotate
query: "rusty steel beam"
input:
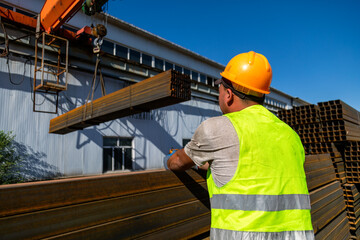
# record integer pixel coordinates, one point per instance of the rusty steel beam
(147, 204)
(162, 90)
(326, 203)
(335, 228)
(127, 208)
(352, 161)
(319, 170)
(332, 206)
(125, 205)
(55, 193)
(338, 110)
(300, 115)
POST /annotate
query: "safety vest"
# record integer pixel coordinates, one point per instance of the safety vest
(268, 197)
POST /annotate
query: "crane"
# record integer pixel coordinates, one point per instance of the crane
(146, 95)
(51, 37)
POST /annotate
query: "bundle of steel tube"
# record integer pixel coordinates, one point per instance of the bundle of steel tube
(340, 121)
(328, 210)
(352, 200)
(310, 133)
(152, 204)
(338, 110)
(301, 115)
(162, 90)
(330, 122)
(333, 127)
(352, 161)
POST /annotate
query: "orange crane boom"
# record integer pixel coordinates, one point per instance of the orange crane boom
(55, 12)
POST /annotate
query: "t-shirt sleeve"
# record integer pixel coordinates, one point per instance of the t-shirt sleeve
(210, 137)
(216, 141)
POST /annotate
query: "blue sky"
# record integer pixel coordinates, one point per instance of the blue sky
(312, 46)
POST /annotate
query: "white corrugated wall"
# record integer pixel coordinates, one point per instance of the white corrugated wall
(80, 152)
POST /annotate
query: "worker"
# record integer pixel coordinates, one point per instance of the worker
(255, 177)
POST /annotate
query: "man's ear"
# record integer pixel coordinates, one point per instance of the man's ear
(229, 97)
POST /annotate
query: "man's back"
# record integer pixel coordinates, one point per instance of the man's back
(268, 193)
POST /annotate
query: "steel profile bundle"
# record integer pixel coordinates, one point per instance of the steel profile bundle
(336, 157)
(337, 123)
(162, 90)
(352, 200)
(338, 134)
(328, 213)
(155, 204)
(318, 148)
(340, 130)
(305, 120)
(310, 133)
(340, 121)
(300, 115)
(352, 161)
(338, 110)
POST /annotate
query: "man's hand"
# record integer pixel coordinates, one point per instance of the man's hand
(179, 161)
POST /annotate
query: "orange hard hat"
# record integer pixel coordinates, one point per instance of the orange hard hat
(251, 71)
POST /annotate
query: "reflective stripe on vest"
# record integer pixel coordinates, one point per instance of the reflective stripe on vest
(260, 202)
(287, 235)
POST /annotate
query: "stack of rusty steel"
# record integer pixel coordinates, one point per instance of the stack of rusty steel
(328, 209)
(340, 121)
(333, 127)
(161, 90)
(153, 204)
(352, 161)
(352, 200)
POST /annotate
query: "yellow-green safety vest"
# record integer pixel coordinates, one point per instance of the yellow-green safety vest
(268, 196)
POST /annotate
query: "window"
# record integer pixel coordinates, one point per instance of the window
(121, 51)
(178, 68)
(107, 47)
(194, 75)
(159, 64)
(146, 60)
(117, 154)
(6, 6)
(187, 71)
(203, 78)
(134, 55)
(168, 66)
(185, 141)
(210, 81)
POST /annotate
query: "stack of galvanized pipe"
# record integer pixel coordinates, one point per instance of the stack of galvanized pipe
(333, 127)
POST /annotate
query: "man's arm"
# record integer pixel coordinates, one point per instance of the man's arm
(180, 161)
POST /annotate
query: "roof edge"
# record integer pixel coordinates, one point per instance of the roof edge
(132, 28)
(289, 96)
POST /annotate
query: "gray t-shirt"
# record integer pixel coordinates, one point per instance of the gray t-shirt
(216, 141)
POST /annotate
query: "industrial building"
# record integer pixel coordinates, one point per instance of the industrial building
(96, 118)
(129, 55)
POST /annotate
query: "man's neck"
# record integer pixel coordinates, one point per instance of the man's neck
(241, 105)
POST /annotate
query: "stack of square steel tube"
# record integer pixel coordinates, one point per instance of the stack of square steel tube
(162, 90)
(328, 209)
(352, 200)
(333, 127)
